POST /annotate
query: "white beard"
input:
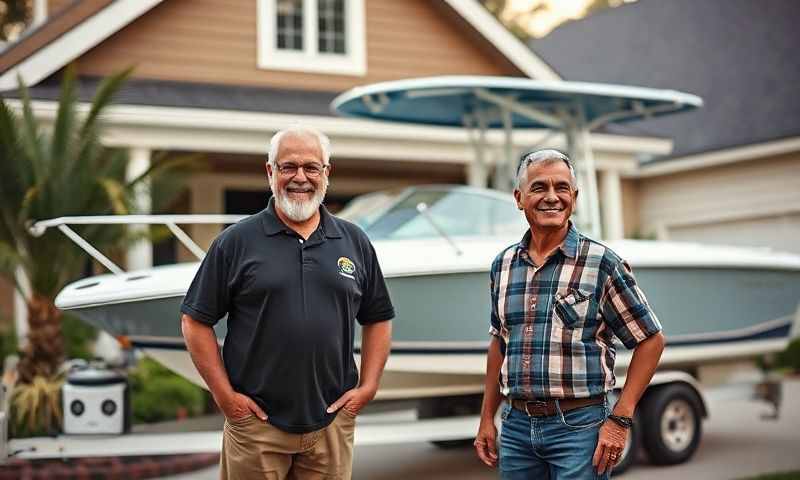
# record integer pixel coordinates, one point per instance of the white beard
(298, 210)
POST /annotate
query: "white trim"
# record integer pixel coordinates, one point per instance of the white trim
(514, 49)
(195, 129)
(718, 158)
(354, 62)
(75, 42)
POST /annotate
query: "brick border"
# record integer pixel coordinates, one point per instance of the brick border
(111, 468)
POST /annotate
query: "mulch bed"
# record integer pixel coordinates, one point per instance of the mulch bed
(97, 468)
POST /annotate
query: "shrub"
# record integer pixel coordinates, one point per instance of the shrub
(158, 394)
(790, 358)
(8, 344)
(79, 337)
(36, 407)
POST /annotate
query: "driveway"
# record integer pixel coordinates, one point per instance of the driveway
(736, 443)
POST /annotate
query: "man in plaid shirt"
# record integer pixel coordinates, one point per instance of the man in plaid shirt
(558, 300)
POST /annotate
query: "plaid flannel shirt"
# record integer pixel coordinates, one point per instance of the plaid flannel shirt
(556, 322)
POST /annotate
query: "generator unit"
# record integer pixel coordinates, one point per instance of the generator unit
(96, 401)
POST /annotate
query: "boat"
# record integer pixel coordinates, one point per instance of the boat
(435, 245)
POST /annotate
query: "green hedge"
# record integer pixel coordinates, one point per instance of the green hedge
(79, 337)
(790, 358)
(158, 394)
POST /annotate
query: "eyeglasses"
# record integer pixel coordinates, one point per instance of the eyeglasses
(311, 169)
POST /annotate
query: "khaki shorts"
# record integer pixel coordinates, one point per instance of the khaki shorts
(252, 449)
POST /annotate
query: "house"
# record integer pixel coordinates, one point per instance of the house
(733, 176)
(218, 78)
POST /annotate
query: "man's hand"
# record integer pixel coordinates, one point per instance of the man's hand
(610, 444)
(239, 406)
(485, 442)
(353, 400)
(486, 439)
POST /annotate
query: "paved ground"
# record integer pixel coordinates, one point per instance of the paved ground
(736, 443)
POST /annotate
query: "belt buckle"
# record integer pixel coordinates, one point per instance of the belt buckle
(536, 408)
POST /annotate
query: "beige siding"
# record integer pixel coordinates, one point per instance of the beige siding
(721, 197)
(215, 42)
(630, 208)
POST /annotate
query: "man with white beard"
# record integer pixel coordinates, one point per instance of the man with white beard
(292, 280)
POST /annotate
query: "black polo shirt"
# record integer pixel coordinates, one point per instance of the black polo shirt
(291, 305)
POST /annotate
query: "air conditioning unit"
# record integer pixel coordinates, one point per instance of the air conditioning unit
(96, 401)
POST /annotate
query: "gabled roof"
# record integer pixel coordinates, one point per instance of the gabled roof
(740, 56)
(85, 24)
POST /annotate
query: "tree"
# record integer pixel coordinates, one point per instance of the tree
(536, 18)
(48, 173)
(14, 16)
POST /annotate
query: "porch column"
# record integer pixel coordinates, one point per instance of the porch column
(611, 204)
(21, 308)
(140, 254)
(477, 174)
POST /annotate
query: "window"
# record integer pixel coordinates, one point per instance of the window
(290, 25)
(324, 36)
(331, 37)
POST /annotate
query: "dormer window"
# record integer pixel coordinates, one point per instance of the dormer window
(322, 36)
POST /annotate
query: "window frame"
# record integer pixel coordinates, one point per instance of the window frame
(354, 62)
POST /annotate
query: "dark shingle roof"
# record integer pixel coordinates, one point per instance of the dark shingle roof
(740, 56)
(197, 95)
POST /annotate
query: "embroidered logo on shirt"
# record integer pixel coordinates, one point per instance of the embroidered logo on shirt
(346, 267)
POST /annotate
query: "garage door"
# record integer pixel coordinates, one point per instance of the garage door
(780, 233)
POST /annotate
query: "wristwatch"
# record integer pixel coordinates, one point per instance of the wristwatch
(625, 422)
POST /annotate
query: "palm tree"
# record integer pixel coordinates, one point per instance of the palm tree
(48, 173)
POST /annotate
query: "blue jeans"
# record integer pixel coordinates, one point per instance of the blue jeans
(558, 447)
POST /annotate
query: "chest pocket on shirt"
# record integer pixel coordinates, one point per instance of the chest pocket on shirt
(573, 308)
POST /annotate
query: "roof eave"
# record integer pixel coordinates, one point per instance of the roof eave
(73, 42)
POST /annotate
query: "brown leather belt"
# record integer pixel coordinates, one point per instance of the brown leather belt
(545, 408)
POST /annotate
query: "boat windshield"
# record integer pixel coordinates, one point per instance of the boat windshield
(456, 212)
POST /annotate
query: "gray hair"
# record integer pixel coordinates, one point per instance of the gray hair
(547, 155)
(302, 131)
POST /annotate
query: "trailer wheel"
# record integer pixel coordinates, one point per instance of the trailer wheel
(450, 407)
(671, 421)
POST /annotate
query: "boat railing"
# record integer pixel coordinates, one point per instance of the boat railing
(170, 221)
